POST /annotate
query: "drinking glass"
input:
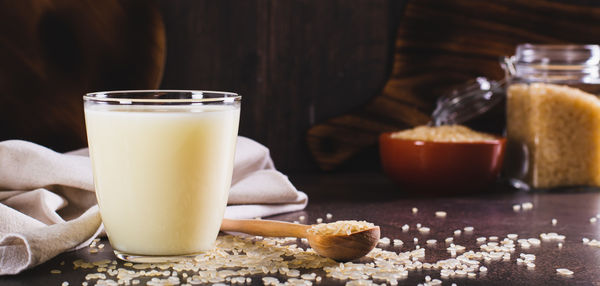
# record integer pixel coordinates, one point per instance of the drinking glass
(162, 163)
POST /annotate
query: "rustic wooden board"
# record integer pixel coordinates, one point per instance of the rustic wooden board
(443, 43)
(294, 62)
(297, 63)
(52, 52)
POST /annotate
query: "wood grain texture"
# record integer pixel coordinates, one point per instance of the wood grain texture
(443, 43)
(345, 247)
(294, 62)
(53, 52)
(268, 228)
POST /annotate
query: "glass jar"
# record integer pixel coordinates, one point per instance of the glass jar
(553, 115)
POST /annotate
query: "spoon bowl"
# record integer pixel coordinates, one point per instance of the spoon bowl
(337, 247)
(345, 247)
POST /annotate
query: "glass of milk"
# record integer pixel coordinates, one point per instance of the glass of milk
(162, 163)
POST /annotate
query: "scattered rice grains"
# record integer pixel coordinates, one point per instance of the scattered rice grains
(564, 272)
(291, 261)
(527, 206)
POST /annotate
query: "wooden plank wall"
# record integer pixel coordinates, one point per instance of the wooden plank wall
(298, 63)
(295, 62)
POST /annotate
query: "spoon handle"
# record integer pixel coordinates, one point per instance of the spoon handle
(265, 227)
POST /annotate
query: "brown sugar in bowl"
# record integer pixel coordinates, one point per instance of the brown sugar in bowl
(443, 168)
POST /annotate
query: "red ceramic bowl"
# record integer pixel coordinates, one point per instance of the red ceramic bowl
(441, 167)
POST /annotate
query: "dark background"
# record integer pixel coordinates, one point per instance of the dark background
(295, 63)
(319, 79)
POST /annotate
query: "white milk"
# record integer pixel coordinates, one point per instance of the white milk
(162, 174)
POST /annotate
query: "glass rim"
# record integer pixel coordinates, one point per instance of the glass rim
(195, 96)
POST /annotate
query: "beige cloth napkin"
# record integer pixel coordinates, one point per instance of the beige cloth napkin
(48, 205)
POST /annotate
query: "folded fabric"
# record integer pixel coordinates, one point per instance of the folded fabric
(48, 205)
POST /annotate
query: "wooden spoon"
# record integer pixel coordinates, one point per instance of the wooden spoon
(337, 247)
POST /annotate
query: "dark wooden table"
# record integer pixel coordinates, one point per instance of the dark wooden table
(374, 198)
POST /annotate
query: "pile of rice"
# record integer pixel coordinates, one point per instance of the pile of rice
(444, 133)
(342, 227)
